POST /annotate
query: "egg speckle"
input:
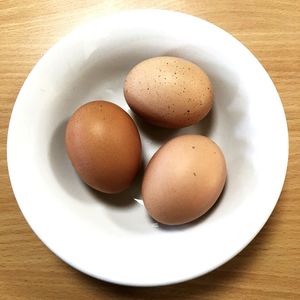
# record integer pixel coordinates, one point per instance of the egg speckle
(155, 84)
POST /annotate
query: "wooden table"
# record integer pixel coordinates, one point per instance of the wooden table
(269, 267)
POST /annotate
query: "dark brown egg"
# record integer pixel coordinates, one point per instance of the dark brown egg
(104, 146)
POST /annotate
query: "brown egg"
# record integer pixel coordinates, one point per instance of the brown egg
(168, 92)
(183, 179)
(104, 146)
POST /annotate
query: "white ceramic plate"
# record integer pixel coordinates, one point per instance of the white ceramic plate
(111, 237)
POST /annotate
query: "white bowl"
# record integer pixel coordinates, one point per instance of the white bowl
(111, 237)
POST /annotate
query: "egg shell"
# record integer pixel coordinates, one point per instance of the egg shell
(183, 179)
(104, 146)
(169, 92)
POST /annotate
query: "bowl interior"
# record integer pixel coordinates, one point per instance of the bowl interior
(111, 236)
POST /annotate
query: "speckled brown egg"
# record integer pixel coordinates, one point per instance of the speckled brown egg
(183, 179)
(104, 146)
(169, 91)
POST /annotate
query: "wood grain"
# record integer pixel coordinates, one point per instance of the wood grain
(269, 267)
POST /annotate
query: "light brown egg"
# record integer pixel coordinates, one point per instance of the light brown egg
(184, 179)
(168, 92)
(104, 146)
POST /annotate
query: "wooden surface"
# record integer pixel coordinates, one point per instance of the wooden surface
(268, 268)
